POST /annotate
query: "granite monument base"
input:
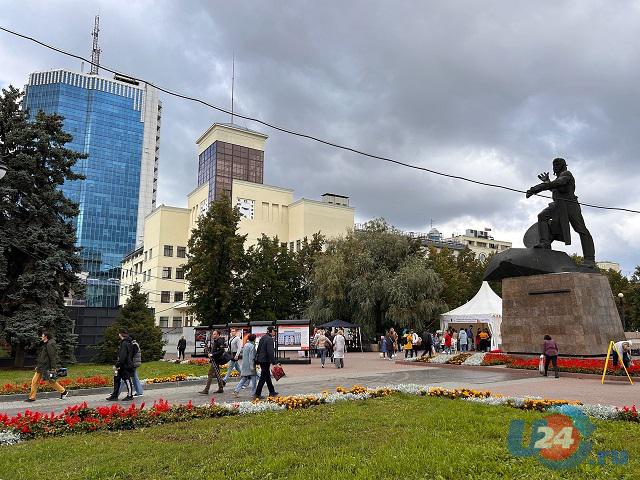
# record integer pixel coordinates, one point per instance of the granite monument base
(576, 309)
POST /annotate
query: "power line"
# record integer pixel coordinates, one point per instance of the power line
(305, 135)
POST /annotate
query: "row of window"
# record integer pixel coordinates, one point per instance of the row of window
(181, 252)
(164, 322)
(166, 273)
(165, 296)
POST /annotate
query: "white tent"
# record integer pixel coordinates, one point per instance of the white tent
(484, 307)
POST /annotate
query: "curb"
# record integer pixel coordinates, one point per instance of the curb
(524, 372)
(14, 397)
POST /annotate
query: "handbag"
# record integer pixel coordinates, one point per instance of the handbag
(50, 375)
(541, 365)
(278, 372)
(223, 359)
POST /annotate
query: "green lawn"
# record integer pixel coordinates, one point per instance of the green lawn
(148, 369)
(399, 437)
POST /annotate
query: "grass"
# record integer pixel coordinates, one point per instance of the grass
(396, 437)
(146, 370)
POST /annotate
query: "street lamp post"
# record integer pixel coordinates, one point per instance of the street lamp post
(621, 297)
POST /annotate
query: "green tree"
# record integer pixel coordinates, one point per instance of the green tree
(306, 258)
(39, 261)
(272, 281)
(216, 265)
(136, 317)
(374, 277)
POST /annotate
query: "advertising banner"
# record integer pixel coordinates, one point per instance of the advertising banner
(293, 337)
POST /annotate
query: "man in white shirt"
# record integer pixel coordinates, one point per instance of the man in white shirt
(235, 347)
(622, 350)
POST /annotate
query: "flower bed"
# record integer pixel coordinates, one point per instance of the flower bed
(495, 359)
(81, 419)
(475, 359)
(95, 381)
(459, 359)
(191, 361)
(574, 365)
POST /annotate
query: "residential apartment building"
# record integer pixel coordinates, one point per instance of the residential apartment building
(265, 209)
(116, 122)
(481, 243)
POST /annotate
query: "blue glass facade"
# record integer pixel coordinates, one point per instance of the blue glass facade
(104, 118)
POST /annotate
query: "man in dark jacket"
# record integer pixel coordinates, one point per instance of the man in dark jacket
(47, 361)
(182, 346)
(123, 367)
(266, 357)
(216, 351)
(427, 343)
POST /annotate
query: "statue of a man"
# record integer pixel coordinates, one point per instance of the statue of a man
(554, 221)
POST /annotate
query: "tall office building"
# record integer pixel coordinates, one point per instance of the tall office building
(117, 123)
(227, 152)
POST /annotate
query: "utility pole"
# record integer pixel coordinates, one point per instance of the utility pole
(95, 52)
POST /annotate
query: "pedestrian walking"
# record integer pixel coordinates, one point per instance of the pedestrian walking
(182, 346)
(427, 344)
(383, 346)
(265, 357)
(123, 369)
(217, 353)
(550, 352)
(235, 350)
(248, 372)
(394, 342)
(463, 340)
(470, 339)
(323, 345)
(137, 361)
(408, 346)
(339, 349)
(46, 365)
(416, 342)
(447, 342)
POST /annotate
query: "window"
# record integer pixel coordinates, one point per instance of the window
(164, 321)
(144, 276)
(150, 253)
(177, 322)
(180, 273)
(168, 250)
(165, 297)
(297, 245)
(178, 296)
(291, 246)
(166, 272)
(145, 256)
(181, 252)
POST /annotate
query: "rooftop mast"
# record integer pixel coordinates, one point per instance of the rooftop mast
(95, 52)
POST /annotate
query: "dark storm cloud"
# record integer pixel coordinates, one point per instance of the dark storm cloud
(490, 90)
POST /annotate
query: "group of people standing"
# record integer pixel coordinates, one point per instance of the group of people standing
(332, 346)
(451, 341)
(243, 358)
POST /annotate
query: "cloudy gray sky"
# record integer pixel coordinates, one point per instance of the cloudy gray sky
(492, 90)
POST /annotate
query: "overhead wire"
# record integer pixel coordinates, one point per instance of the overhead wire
(305, 135)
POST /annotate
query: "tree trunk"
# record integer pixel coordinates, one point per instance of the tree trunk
(19, 358)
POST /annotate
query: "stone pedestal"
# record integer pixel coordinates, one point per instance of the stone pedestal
(576, 309)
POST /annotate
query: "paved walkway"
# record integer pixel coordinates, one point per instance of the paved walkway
(370, 370)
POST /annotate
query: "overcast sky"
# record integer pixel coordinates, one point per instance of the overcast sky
(491, 90)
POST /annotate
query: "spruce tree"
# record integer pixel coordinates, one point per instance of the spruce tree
(136, 317)
(39, 261)
(215, 266)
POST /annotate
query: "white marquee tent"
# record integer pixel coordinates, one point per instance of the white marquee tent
(484, 308)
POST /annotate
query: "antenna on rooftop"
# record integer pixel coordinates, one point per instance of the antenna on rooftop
(95, 52)
(233, 78)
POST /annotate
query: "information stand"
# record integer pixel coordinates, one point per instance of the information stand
(293, 339)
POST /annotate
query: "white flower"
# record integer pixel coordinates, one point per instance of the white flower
(441, 358)
(475, 359)
(8, 437)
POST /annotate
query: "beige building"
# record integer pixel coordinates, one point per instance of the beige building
(265, 209)
(481, 243)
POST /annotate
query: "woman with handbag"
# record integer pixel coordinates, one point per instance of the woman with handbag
(339, 349)
(322, 345)
(46, 368)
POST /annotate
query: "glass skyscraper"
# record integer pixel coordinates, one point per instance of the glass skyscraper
(117, 123)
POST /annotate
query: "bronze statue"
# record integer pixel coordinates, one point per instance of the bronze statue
(553, 221)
